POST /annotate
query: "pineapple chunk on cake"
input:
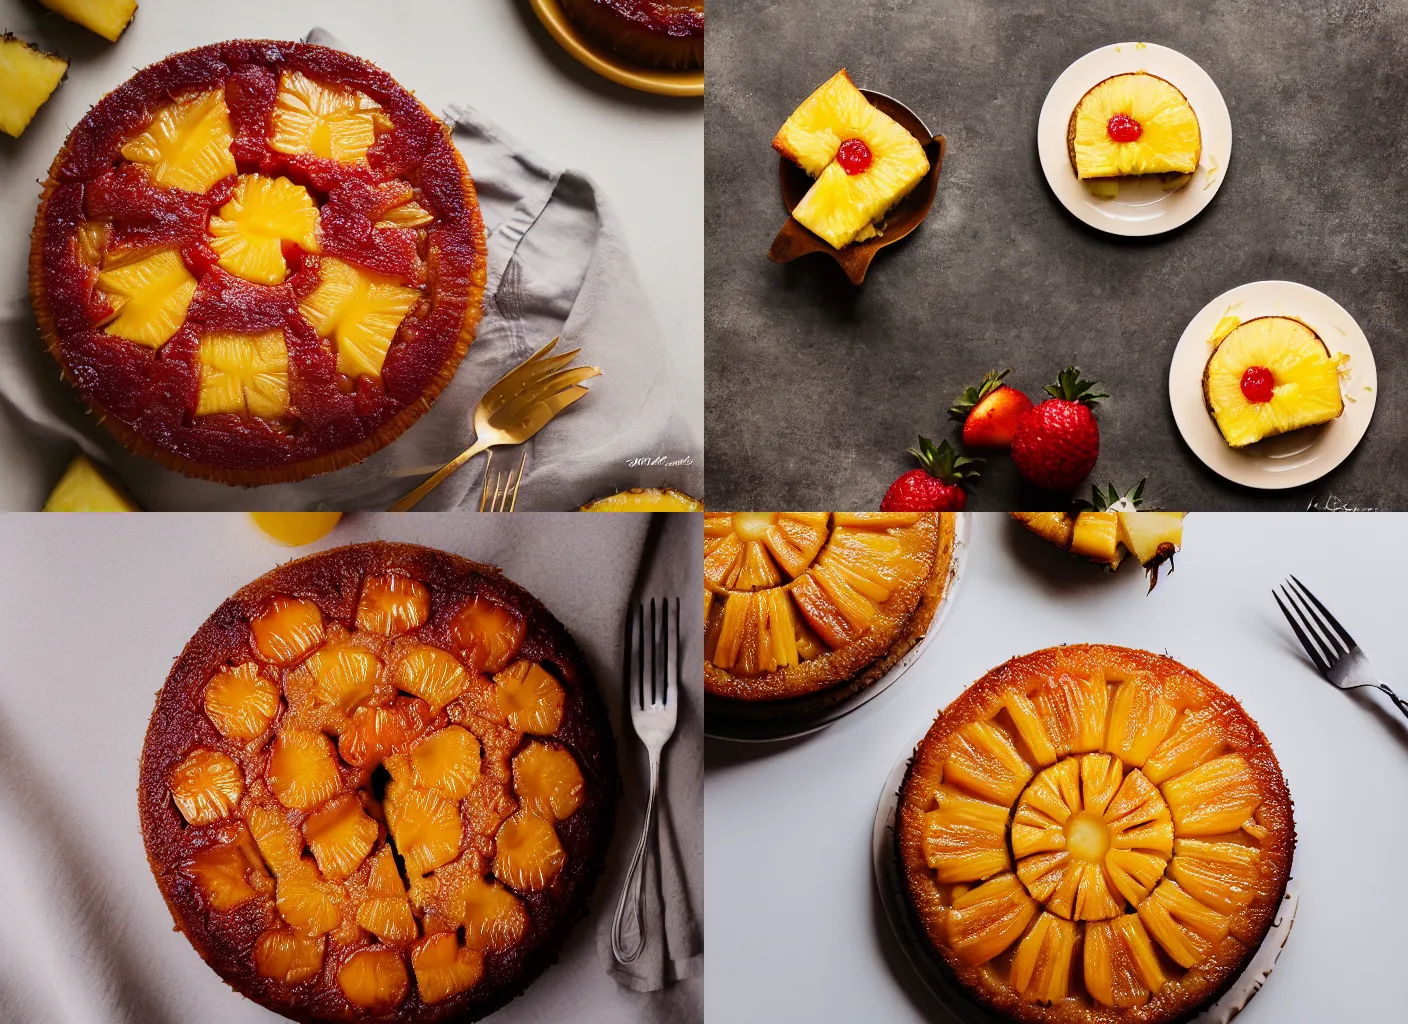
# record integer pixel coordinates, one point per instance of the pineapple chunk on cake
(206, 786)
(548, 781)
(303, 770)
(425, 826)
(286, 628)
(1270, 375)
(328, 121)
(445, 968)
(391, 603)
(529, 698)
(149, 292)
(360, 310)
(430, 674)
(28, 77)
(386, 912)
(987, 919)
(187, 145)
(240, 702)
(84, 488)
(527, 853)
(493, 918)
(287, 957)
(340, 836)
(244, 374)
(447, 762)
(863, 160)
(1133, 124)
(108, 18)
(486, 634)
(374, 979)
(249, 231)
(223, 874)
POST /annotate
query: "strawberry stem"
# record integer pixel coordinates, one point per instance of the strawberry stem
(1071, 388)
(942, 462)
(964, 403)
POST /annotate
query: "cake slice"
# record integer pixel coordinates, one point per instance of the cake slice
(863, 160)
(1133, 124)
(1268, 376)
(28, 77)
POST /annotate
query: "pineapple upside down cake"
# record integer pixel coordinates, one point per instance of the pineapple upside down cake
(817, 604)
(655, 33)
(379, 783)
(258, 261)
(1095, 834)
(1133, 124)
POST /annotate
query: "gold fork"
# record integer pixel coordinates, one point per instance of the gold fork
(505, 496)
(519, 405)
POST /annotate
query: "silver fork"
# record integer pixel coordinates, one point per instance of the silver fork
(1333, 651)
(654, 707)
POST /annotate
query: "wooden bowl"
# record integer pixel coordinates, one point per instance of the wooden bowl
(794, 240)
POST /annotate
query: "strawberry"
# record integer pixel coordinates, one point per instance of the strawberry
(990, 412)
(1057, 442)
(937, 487)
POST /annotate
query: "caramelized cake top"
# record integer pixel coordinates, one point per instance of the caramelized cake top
(258, 261)
(1093, 833)
(379, 782)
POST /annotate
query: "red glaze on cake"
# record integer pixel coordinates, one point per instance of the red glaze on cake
(656, 33)
(258, 374)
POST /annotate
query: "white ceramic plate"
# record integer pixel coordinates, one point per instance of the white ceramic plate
(1287, 460)
(1142, 207)
(889, 881)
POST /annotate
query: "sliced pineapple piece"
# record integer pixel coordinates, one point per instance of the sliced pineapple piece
(1100, 777)
(294, 529)
(1053, 527)
(1096, 536)
(306, 902)
(206, 786)
(392, 603)
(187, 145)
(527, 852)
(1139, 720)
(965, 839)
(149, 292)
(343, 675)
(287, 957)
(776, 644)
(374, 979)
(340, 836)
(986, 920)
(733, 628)
(250, 229)
(28, 77)
(303, 769)
(644, 499)
(223, 874)
(1031, 729)
(92, 241)
(1186, 929)
(821, 613)
(386, 912)
(1045, 874)
(529, 698)
(1151, 536)
(1055, 793)
(447, 762)
(444, 968)
(375, 733)
(1075, 709)
(1167, 139)
(488, 635)
(84, 488)
(425, 826)
(1139, 817)
(983, 760)
(1121, 967)
(279, 842)
(240, 702)
(409, 214)
(548, 781)
(244, 374)
(430, 674)
(360, 310)
(1213, 798)
(1223, 876)
(286, 628)
(1041, 970)
(1197, 738)
(325, 120)
(108, 18)
(1134, 873)
(493, 918)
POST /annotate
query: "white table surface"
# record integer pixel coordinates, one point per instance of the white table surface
(794, 926)
(646, 152)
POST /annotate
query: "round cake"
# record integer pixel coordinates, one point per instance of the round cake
(379, 783)
(803, 603)
(1095, 834)
(655, 33)
(258, 261)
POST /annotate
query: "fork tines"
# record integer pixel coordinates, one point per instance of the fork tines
(660, 653)
(505, 494)
(1319, 632)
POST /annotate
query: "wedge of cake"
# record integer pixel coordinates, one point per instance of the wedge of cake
(863, 161)
(1133, 124)
(1270, 375)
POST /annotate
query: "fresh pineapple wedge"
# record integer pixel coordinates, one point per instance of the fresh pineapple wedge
(249, 231)
(1053, 527)
(361, 311)
(108, 18)
(863, 160)
(1151, 537)
(149, 292)
(84, 488)
(28, 77)
(1104, 535)
(327, 121)
(1133, 124)
(244, 374)
(639, 499)
(187, 145)
(1095, 536)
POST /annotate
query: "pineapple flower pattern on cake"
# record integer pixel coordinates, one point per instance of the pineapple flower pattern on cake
(261, 260)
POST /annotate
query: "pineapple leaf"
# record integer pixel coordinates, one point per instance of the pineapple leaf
(963, 405)
(1111, 499)
(1071, 388)
(943, 462)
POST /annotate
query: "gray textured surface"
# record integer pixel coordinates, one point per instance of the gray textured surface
(814, 389)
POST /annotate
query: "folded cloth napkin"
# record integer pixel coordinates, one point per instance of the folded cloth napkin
(672, 893)
(558, 265)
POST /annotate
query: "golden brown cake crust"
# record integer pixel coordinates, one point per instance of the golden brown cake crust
(333, 580)
(653, 33)
(341, 432)
(1179, 999)
(901, 623)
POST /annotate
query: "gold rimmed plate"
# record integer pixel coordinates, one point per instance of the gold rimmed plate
(795, 241)
(661, 81)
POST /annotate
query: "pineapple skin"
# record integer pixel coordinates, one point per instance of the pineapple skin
(28, 77)
(108, 18)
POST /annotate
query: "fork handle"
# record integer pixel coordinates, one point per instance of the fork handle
(1399, 701)
(628, 932)
(413, 499)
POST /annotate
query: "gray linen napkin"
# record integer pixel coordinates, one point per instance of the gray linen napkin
(672, 893)
(558, 264)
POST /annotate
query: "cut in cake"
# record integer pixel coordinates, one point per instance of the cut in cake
(1270, 375)
(258, 261)
(653, 33)
(1095, 834)
(379, 783)
(1133, 124)
(863, 161)
(804, 603)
